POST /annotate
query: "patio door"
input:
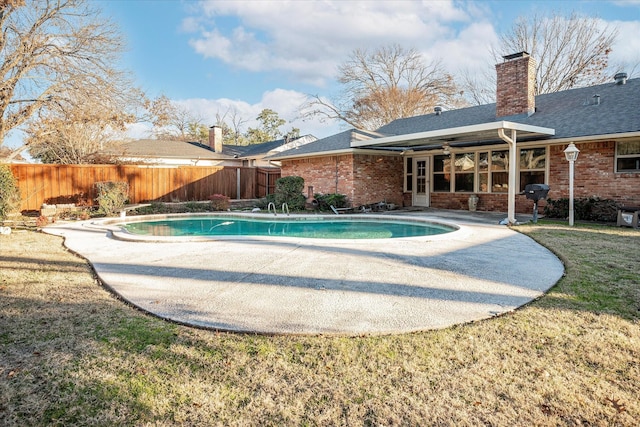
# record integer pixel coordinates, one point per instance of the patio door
(421, 181)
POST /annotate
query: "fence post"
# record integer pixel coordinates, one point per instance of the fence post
(238, 195)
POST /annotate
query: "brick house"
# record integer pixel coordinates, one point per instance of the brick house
(491, 151)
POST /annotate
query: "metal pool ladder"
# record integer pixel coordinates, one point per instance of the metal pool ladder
(284, 207)
(274, 208)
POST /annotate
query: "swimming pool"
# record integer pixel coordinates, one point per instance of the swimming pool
(314, 226)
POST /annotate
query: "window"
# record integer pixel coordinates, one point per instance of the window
(421, 177)
(628, 156)
(483, 172)
(408, 176)
(499, 171)
(533, 162)
(441, 173)
(465, 168)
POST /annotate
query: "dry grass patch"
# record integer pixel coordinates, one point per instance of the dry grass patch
(71, 353)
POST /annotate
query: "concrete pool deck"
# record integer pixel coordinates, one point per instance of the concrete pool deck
(313, 286)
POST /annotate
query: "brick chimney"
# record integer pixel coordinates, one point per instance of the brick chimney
(515, 88)
(215, 138)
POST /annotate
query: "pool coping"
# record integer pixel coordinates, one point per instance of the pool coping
(118, 232)
(323, 287)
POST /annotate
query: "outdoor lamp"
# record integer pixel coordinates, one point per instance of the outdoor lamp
(571, 153)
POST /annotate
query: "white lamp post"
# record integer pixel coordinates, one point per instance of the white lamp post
(571, 153)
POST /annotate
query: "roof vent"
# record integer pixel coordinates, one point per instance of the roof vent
(620, 78)
(438, 110)
(596, 99)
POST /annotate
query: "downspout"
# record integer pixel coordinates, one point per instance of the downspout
(511, 202)
(337, 174)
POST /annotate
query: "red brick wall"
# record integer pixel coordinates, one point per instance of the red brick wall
(594, 174)
(377, 179)
(330, 174)
(363, 179)
(368, 179)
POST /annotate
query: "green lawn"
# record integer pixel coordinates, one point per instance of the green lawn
(71, 353)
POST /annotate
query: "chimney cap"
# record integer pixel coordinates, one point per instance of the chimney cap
(522, 54)
(438, 110)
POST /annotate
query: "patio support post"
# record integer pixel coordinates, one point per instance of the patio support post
(511, 202)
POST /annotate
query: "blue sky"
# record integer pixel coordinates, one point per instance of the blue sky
(214, 56)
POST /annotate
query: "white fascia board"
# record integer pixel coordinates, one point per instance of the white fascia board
(331, 153)
(588, 138)
(307, 155)
(457, 131)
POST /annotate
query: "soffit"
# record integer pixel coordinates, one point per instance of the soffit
(480, 134)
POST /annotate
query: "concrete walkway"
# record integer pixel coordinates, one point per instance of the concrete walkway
(315, 286)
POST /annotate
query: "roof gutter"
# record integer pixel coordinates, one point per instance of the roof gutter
(366, 150)
(635, 134)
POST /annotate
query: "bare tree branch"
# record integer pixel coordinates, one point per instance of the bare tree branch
(570, 51)
(56, 55)
(384, 85)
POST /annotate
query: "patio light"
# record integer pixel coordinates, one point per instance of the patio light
(571, 153)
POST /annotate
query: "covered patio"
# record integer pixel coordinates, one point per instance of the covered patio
(446, 141)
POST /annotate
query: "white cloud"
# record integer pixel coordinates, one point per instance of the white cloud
(310, 38)
(626, 50)
(469, 49)
(139, 131)
(284, 102)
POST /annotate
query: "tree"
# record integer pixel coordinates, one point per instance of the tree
(198, 132)
(570, 51)
(79, 132)
(269, 129)
(56, 55)
(386, 84)
(173, 121)
(231, 134)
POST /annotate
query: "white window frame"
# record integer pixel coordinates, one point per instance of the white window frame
(625, 156)
(546, 164)
(489, 172)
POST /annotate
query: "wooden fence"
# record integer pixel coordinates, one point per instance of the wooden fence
(56, 184)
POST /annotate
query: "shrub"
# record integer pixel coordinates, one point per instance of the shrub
(84, 214)
(220, 202)
(9, 192)
(327, 200)
(198, 207)
(42, 221)
(289, 191)
(152, 209)
(264, 202)
(585, 209)
(112, 196)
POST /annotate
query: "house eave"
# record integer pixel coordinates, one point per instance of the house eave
(328, 153)
(480, 133)
(587, 138)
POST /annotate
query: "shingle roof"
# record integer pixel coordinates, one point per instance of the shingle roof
(161, 148)
(572, 113)
(337, 142)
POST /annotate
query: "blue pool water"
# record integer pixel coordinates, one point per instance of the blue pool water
(308, 227)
